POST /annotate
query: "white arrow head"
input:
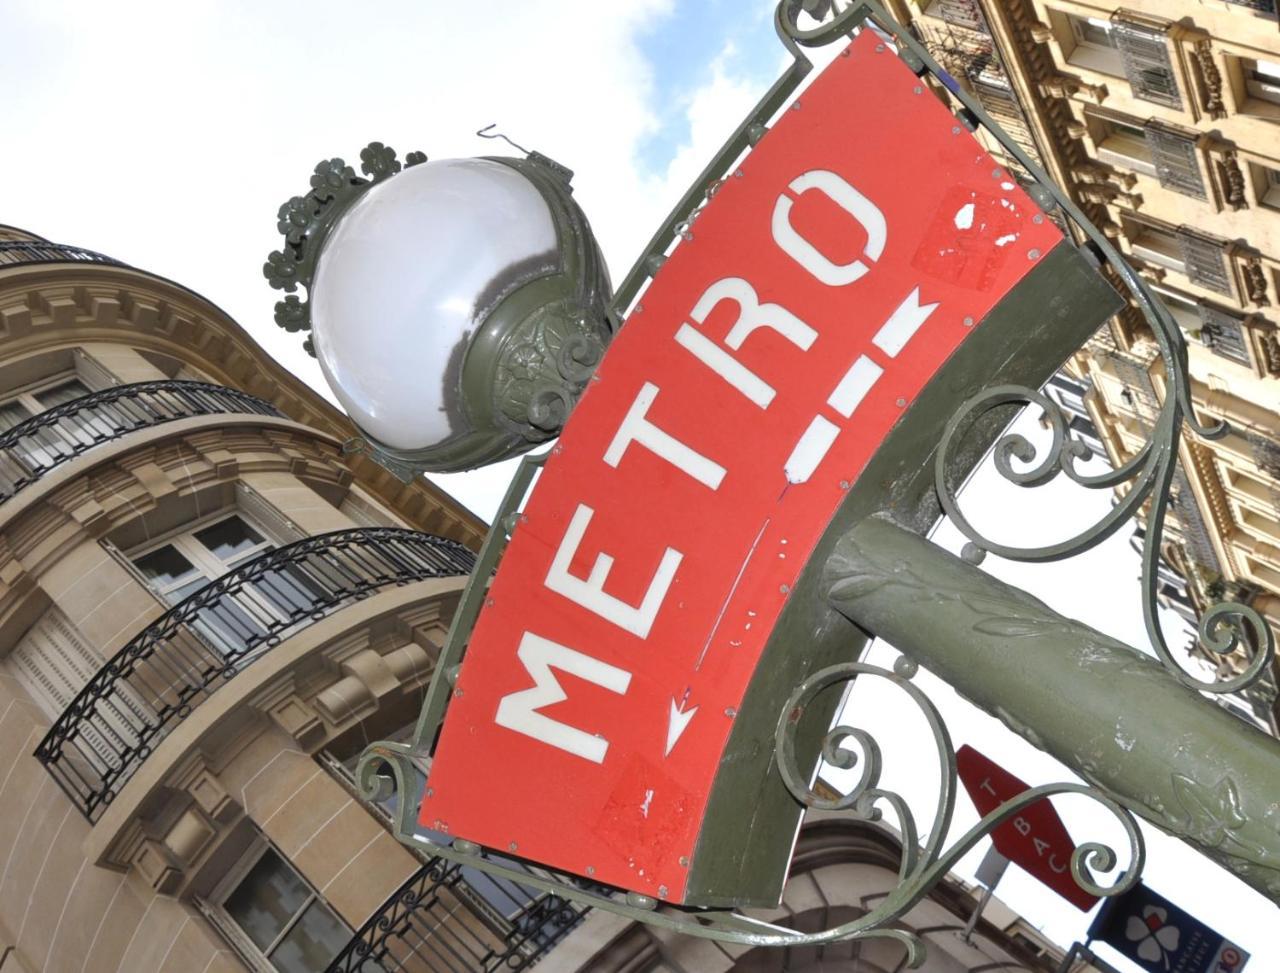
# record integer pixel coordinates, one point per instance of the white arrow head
(678, 723)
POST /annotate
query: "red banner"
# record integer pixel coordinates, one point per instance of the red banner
(821, 288)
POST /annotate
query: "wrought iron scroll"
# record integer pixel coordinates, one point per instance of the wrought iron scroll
(391, 768)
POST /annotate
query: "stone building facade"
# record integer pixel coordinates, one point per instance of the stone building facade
(1161, 118)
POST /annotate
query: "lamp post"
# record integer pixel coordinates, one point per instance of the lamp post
(491, 311)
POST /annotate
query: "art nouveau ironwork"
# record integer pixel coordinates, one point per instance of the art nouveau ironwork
(1218, 816)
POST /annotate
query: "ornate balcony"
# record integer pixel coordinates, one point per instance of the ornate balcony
(37, 445)
(39, 252)
(421, 928)
(182, 658)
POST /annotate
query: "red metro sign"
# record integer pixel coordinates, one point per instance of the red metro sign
(1036, 839)
(822, 287)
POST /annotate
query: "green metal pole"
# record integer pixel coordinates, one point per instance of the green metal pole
(1113, 715)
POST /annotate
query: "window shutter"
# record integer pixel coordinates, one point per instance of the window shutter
(1176, 158)
(963, 13)
(1205, 258)
(53, 662)
(1144, 52)
(1223, 332)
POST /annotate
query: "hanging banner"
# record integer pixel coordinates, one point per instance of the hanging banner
(823, 285)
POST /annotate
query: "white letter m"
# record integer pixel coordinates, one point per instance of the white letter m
(519, 711)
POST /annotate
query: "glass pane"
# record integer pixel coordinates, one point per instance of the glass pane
(164, 565)
(313, 942)
(267, 899)
(67, 391)
(229, 537)
(12, 413)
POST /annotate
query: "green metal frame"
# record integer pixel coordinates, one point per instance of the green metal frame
(389, 767)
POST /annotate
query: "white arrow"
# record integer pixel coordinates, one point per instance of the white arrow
(678, 723)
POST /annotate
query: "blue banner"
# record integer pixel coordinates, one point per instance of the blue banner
(1161, 938)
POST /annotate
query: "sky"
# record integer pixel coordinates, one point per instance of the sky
(167, 134)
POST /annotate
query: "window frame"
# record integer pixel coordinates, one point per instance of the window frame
(230, 883)
(1089, 53)
(198, 555)
(1268, 90)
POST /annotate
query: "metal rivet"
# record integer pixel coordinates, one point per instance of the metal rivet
(457, 693)
(1038, 218)
(995, 173)
(795, 106)
(972, 553)
(737, 174)
(784, 588)
(730, 711)
(844, 484)
(845, 52)
(512, 846)
(430, 792)
(488, 602)
(639, 308)
(956, 130)
(591, 869)
(904, 667)
(919, 89)
(879, 48)
(1033, 254)
(901, 403)
(968, 322)
(684, 861)
(662, 891)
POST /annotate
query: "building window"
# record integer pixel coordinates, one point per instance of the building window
(1268, 183)
(1184, 310)
(1094, 46)
(1144, 54)
(1123, 144)
(184, 563)
(1264, 7)
(1159, 247)
(279, 915)
(1262, 79)
(43, 447)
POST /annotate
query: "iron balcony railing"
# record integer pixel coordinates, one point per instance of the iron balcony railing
(427, 927)
(37, 445)
(39, 252)
(185, 655)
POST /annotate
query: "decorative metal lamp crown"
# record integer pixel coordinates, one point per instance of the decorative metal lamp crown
(457, 311)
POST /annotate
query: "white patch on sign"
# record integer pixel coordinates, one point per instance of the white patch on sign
(1007, 239)
(810, 450)
(855, 385)
(1006, 186)
(518, 711)
(648, 799)
(903, 323)
(964, 216)
(677, 723)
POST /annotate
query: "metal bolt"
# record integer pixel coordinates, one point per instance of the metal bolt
(430, 792)
(457, 694)
(737, 173)
(995, 173)
(968, 322)
(784, 588)
(844, 484)
(919, 89)
(591, 869)
(730, 712)
(662, 891)
(488, 603)
(795, 106)
(845, 52)
(901, 403)
(905, 667)
(879, 48)
(684, 861)
(639, 308)
(512, 846)
(1038, 218)
(1033, 254)
(956, 130)
(972, 553)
